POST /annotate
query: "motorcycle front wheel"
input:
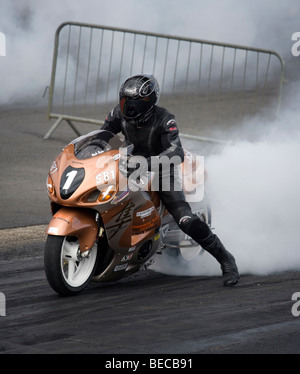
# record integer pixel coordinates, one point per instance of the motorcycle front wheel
(67, 271)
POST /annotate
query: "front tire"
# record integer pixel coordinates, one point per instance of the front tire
(67, 272)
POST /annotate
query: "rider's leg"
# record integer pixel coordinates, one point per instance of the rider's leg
(198, 230)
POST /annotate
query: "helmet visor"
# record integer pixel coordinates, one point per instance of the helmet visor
(134, 109)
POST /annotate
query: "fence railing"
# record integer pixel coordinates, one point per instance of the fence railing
(203, 83)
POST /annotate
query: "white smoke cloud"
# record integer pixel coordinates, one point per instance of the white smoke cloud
(255, 196)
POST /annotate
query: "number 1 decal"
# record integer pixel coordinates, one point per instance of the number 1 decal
(70, 177)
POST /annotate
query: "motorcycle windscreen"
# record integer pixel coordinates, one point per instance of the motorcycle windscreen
(95, 143)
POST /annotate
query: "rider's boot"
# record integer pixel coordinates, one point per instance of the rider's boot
(202, 234)
(214, 246)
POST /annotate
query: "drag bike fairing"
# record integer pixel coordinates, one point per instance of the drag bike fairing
(104, 228)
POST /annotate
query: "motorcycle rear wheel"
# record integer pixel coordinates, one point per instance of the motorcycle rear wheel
(188, 254)
(67, 273)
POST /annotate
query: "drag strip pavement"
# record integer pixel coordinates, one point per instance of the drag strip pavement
(148, 312)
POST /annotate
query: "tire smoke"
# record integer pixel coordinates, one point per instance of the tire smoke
(254, 194)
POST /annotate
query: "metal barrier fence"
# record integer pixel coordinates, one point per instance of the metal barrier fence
(203, 83)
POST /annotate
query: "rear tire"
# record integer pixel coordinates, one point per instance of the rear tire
(67, 273)
(189, 254)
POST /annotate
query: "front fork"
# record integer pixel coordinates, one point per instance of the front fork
(75, 222)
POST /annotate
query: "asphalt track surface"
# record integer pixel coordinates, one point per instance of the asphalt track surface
(146, 313)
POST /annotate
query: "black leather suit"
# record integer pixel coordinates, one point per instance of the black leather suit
(159, 136)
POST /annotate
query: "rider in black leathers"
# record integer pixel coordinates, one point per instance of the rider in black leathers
(154, 132)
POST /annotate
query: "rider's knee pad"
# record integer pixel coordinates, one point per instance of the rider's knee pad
(185, 223)
(194, 227)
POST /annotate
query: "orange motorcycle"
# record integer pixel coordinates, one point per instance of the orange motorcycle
(102, 229)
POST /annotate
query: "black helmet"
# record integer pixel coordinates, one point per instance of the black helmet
(139, 96)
